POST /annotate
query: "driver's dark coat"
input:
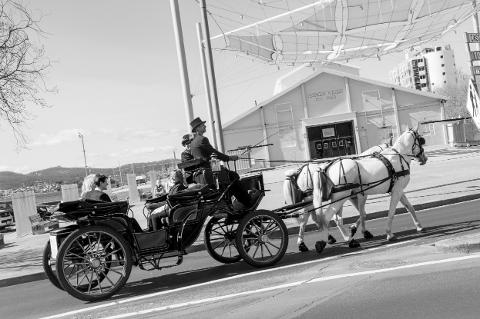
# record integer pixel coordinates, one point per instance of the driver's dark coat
(202, 149)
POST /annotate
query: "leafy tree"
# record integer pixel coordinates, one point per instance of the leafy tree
(456, 94)
(23, 66)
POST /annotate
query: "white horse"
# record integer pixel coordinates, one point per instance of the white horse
(298, 187)
(387, 173)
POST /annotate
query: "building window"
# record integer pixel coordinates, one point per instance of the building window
(445, 82)
(424, 85)
(428, 129)
(441, 57)
(443, 65)
(443, 73)
(439, 48)
(285, 125)
(371, 99)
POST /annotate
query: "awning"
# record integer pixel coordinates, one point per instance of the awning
(302, 31)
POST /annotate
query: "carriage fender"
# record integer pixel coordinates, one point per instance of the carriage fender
(114, 224)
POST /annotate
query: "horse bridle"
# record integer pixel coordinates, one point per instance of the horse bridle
(417, 141)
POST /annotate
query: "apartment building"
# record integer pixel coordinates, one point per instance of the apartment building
(429, 69)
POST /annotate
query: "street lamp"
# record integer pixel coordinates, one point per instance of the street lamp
(84, 156)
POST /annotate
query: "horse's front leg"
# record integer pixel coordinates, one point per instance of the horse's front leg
(340, 226)
(325, 220)
(404, 200)
(397, 192)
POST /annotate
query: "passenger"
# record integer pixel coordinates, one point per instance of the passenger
(101, 183)
(203, 150)
(88, 185)
(187, 156)
(159, 216)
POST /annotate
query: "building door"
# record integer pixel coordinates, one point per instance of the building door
(331, 140)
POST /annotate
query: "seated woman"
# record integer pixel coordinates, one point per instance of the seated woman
(161, 213)
(95, 190)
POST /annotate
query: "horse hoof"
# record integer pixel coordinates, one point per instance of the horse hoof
(302, 247)
(392, 238)
(367, 235)
(331, 240)
(320, 245)
(353, 244)
(353, 230)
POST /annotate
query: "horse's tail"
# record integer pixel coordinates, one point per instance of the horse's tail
(290, 190)
(317, 200)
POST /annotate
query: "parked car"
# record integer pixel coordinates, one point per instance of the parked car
(6, 219)
(7, 206)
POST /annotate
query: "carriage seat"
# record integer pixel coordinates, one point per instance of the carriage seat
(193, 194)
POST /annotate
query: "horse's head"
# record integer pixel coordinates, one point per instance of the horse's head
(411, 144)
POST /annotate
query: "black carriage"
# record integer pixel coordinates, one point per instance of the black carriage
(92, 257)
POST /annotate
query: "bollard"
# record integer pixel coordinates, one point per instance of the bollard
(70, 192)
(153, 179)
(24, 206)
(133, 195)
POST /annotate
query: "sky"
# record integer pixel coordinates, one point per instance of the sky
(117, 77)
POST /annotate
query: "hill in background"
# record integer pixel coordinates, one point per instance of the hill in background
(68, 175)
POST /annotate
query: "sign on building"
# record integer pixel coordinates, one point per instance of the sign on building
(474, 38)
(476, 70)
(473, 104)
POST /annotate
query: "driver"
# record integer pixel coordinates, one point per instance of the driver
(201, 148)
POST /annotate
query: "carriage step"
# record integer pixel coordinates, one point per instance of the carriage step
(155, 263)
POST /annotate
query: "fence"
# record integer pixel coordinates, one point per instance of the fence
(463, 132)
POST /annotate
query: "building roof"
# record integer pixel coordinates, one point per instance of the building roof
(337, 73)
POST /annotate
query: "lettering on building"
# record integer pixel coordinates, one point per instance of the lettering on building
(325, 95)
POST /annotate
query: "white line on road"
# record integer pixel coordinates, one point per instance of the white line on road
(293, 284)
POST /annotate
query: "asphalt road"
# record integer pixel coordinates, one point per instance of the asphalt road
(420, 291)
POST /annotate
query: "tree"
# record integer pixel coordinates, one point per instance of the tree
(23, 67)
(456, 94)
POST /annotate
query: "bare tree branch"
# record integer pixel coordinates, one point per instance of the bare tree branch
(23, 67)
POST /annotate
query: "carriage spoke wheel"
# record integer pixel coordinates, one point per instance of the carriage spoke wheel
(93, 263)
(49, 266)
(262, 238)
(220, 234)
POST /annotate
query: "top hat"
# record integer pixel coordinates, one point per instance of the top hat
(186, 139)
(196, 123)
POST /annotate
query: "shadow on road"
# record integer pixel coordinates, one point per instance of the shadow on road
(187, 278)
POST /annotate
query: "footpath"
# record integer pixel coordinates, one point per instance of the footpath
(451, 175)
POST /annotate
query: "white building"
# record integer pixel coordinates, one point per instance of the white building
(430, 69)
(333, 113)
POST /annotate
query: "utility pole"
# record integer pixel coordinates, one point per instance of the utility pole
(207, 86)
(213, 84)
(80, 135)
(177, 27)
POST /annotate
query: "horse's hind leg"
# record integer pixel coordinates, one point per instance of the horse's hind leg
(359, 202)
(394, 199)
(302, 223)
(404, 200)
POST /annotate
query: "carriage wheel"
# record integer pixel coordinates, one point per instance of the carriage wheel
(262, 238)
(49, 266)
(93, 263)
(220, 236)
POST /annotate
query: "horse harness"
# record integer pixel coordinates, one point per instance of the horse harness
(330, 188)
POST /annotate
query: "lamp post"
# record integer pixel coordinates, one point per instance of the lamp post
(84, 156)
